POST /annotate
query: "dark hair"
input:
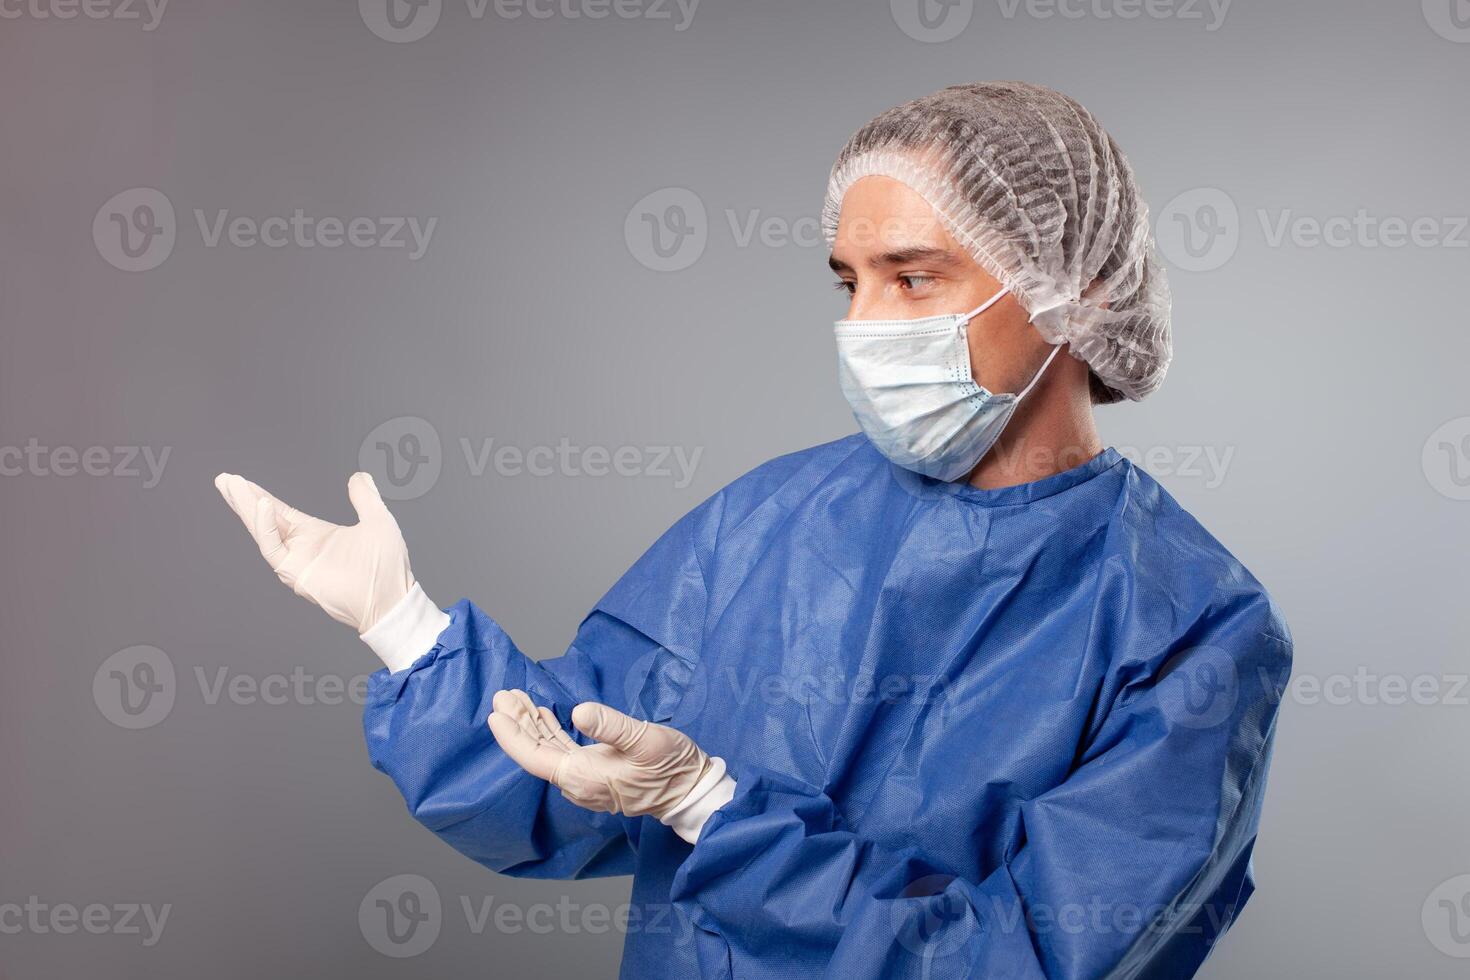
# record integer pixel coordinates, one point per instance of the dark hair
(1101, 393)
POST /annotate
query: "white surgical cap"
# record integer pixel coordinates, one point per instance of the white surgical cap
(1039, 194)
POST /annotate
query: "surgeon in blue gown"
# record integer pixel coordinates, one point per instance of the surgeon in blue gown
(966, 694)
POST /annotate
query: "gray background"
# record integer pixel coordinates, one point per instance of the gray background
(1333, 375)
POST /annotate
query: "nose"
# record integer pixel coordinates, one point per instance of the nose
(865, 304)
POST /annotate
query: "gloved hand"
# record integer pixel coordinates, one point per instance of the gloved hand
(638, 768)
(355, 573)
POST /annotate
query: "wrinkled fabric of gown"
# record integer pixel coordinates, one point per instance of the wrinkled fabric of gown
(1020, 732)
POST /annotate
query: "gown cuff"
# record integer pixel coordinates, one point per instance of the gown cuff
(714, 789)
(407, 631)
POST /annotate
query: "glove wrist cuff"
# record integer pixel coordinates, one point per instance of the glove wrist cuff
(714, 789)
(407, 631)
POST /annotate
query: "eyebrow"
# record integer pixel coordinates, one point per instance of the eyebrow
(902, 256)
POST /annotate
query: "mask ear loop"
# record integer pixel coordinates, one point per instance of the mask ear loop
(1044, 365)
(984, 306)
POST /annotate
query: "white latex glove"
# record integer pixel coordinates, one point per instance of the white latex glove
(638, 768)
(357, 573)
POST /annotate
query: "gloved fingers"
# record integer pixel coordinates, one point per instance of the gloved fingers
(241, 494)
(558, 734)
(537, 723)
(526, 710)
(238, 495)
(512, 702)
(538, 758)
(291, 520)
(544, 723)
(547, 727)
(516, 707)
(527, 715)
(366, 500)
(267, 534)
(608, 726)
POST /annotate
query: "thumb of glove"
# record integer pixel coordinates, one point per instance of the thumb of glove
(366, 500)
(609, 726)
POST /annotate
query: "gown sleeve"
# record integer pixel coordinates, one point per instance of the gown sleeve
(1132, 866)
(426, 725)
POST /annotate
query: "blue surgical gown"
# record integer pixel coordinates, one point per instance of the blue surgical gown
(1020, 732)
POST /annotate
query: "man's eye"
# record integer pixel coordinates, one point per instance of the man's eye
(842, 285)
(913, 282)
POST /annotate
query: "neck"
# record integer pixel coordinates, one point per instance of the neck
(1052, 431)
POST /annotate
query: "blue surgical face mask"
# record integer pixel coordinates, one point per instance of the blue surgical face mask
(911, 389)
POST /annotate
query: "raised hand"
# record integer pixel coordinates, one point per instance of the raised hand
(356, 573)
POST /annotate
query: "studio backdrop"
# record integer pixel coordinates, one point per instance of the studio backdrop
(553, 272)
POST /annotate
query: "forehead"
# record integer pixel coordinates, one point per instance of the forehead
(881, 214)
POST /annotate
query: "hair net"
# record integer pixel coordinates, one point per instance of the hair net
(1026, 179)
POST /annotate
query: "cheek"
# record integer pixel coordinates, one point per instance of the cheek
(998, 357)
(988, 357)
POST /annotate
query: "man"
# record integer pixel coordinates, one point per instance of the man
(964, 695)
